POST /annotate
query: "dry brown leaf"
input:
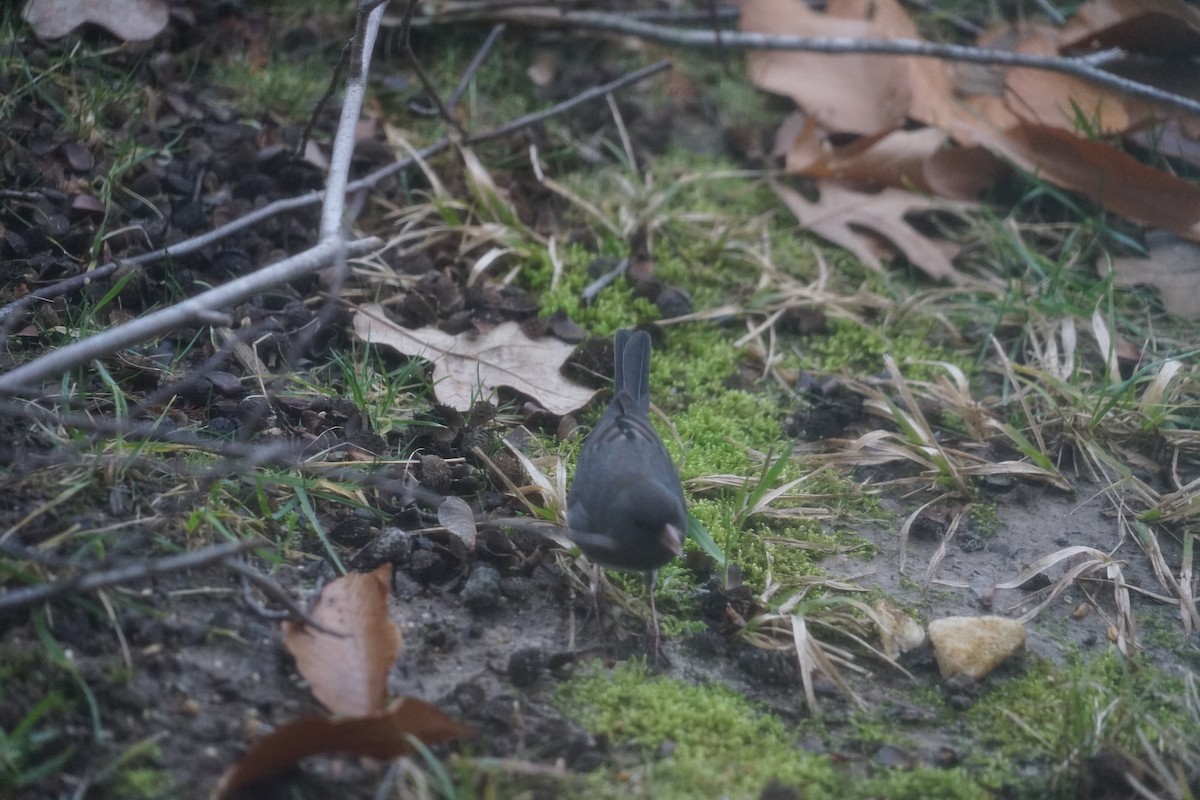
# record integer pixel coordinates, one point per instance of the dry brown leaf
(131, 20)
(348, 673)
(466, 369)
(841, 215)
(1104, 173)
(1035, 129)
(1157, 27)
(857, 94)
(1058, 100)
(383, 736)
(850, 93)
(1173, 268)
(961, 173)
(894, 158)
(923, 159)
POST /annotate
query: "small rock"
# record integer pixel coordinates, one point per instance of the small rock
(974, 646)
(526, 665)
(898, 632)
(482, 590)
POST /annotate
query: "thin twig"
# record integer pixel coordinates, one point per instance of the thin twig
(370, 13)
(315, 116)
(1082, 67)
(63, 359)
(332, 248)
(153, 432)
(1050, 11)
(410, 55)
(595, 93)
(468, 75)
(593, 289)
(140, 571)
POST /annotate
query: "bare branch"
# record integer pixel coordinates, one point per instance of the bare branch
(1083, 67)
(367, 28)
(292, 609)
(58, 361)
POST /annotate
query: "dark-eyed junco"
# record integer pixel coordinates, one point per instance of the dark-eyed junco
(626, 507)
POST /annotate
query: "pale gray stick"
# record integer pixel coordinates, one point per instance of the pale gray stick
(56, 362)
(1087, 67)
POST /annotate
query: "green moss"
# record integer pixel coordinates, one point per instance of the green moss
(290, 89)
(984, 518)
(613, 308)
(924, 783)
(141, 784)
(722, 745)
(850, 347)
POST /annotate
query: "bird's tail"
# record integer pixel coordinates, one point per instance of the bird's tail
(631, 366)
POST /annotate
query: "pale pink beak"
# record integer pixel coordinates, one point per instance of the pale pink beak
(672, 539)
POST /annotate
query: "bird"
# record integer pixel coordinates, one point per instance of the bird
(626, 508)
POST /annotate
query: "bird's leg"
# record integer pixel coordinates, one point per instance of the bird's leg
(594, 588)
(654, 651)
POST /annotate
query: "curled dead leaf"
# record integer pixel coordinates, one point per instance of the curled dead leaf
(1157, 27)
(862, 94)
(348, 673)
(1056, 99)
(1104, 173)
(924, 159)
(384, 736)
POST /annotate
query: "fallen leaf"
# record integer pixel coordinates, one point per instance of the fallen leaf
(131, 20)
(348, 673)
(850, 93)
(838, 212)
(1058, 100)
(923, 159)
(1167, 28)
(466, 368)
(1173, 269)
(383, 736)
(1106, 174)
(456, 516)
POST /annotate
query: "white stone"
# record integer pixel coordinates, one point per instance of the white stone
(974, 646)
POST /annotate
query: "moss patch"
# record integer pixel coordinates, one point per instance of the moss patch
(720, 745)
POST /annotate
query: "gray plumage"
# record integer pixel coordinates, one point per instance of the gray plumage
(626, 506)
